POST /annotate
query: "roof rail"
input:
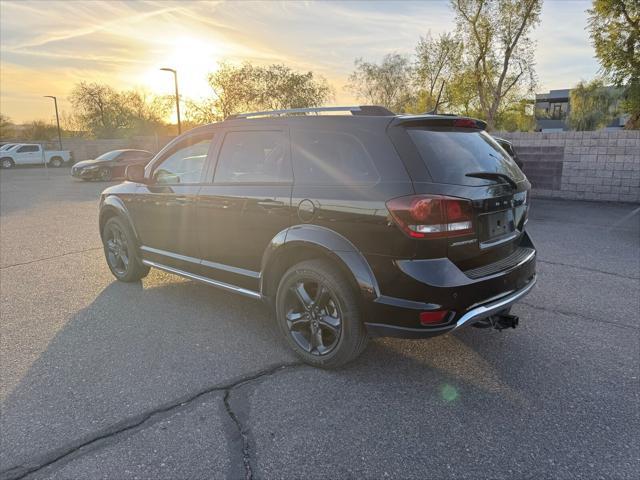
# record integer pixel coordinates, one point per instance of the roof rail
(355, 110)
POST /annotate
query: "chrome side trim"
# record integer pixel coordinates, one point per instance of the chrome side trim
(166, 253)
(205, 263)
(229, 268)
(208, 281)
(489, 309)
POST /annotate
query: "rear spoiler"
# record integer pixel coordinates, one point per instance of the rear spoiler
(441, 121)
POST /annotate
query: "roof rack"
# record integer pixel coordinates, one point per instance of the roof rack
(355, 110)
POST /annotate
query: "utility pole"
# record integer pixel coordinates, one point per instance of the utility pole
(55, 102)
(175, 81)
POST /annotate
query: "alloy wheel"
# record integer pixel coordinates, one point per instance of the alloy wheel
(117, 250)
(6, 163)
(313, 317)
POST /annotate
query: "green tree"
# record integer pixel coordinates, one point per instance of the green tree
(388, 84)
(497, 48)
(7, 128)
(517, 116)
(615, 32)
(39, 130)
(108, 113)
(462, 95)
(246, 87)
(438, 60)
(592, 105)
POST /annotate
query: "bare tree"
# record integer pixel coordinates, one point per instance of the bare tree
(498, 48)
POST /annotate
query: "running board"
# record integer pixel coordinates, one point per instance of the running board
(192, 276)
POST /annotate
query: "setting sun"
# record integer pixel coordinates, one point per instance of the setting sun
(193, 59)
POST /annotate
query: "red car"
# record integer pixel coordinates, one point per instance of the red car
(110, 165)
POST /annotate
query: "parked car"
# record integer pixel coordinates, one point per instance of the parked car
(110, 165)
(346, 225)
(509, 148)
(31, 154)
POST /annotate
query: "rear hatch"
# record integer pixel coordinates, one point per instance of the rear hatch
(465, 182)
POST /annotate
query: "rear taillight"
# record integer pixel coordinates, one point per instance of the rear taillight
(432, 216)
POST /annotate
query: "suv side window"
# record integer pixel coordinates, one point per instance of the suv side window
(329, 158)
(28, 148)
(186, 163)
(253, 157)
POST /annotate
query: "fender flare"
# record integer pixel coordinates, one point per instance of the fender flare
(113, 204)
(331, 243)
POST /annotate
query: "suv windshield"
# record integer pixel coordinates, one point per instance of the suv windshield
(451, 153)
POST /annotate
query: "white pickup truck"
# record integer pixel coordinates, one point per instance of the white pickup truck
(31, 154)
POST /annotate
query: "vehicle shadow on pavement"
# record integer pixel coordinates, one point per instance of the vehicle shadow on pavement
(135, 347)
(139, 346)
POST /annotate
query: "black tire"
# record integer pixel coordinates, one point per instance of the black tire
(121, 251)
(333, 301)
(7, 163)
(105, 174)
(56, 162)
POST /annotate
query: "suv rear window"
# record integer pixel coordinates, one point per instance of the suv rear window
(451, 153)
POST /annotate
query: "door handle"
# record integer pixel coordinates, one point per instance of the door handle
(271, 203)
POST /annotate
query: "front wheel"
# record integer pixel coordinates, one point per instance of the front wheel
(318, 311)
(6, 163)
(121, 252)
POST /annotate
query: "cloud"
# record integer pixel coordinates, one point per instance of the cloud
(57, 44)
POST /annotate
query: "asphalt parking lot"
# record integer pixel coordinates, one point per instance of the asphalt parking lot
(171, 379)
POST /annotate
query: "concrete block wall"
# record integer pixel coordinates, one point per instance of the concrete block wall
(602, 165)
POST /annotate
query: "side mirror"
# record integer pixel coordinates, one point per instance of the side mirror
(135, 173)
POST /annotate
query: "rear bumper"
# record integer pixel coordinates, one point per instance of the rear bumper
(410, 287)
(469, 318)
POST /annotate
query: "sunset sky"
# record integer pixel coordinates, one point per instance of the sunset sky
(47, 46)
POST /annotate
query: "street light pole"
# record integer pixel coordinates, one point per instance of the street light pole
(175, 81)
(55, 102)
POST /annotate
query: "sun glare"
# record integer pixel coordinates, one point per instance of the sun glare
(192, 58)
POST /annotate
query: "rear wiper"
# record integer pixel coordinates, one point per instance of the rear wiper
(494, 176)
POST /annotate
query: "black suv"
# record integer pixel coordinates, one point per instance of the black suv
(350, 225)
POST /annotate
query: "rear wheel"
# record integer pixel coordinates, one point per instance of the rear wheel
(121, 252)
(6, 163)
(56, 162)
(318, 312)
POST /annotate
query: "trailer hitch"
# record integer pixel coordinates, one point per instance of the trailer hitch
(499, 321)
